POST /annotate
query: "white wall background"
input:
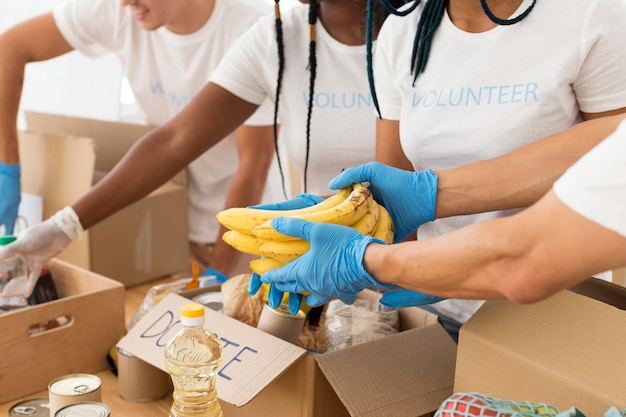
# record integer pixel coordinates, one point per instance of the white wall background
(71, 84)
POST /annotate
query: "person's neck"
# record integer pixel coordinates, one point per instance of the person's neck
(192, 17)
(344, 20)
(469, 16)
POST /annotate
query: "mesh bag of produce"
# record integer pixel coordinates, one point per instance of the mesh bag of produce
(473, 404)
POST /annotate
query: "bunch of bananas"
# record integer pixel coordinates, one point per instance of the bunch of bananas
(250, 230)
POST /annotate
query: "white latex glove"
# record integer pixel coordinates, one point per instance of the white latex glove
(40, 243)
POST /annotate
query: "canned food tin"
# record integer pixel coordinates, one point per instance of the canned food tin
(84, 409)
(33, 407)
(212, 300)
(138, 381)
(281, 323)
(71, 389)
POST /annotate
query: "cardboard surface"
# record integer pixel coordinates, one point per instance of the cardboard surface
(142, 242)
(567, 351)
(410, 373)
(31, 360)
(244, 348)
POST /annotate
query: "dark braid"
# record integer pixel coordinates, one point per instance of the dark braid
(313, 12)
(431, 17)
(505, 22)
(279, 81)
(428, 24)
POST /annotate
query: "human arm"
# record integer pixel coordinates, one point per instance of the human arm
(525, 257)
(519, 178)
(162, 153)
(36, 39)
(255, 145)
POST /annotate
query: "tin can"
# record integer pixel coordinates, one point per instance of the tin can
(84, 409)
(212, 300)
(73, 388)
(281, 323)
(33, 407)
(138, 381)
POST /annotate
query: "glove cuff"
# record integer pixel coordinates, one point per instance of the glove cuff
(10, 169)
(68, 222)
(365, 243)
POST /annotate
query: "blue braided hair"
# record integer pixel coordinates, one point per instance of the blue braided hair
(428, 24)
(374, 15)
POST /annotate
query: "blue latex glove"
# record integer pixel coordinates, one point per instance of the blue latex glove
(218, 275)
(398, 297)
(300, 201)
(275, 297)
(408, 196)
(331, 268)
(10, 195)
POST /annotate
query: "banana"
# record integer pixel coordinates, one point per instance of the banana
(367, 224)
(262, 265)
(346, 213)
(284, 251)
(244, 219)
(384, 228)
(244, 242)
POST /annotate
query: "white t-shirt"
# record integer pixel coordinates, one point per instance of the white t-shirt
(165, 70)
(486, 94)
(343, 118)
(595, 187)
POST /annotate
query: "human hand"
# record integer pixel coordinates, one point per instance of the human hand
(398, 297)
(275, 297)
(331, 268)
(408, 196)
(220, 277)
(39, 243)
(300, 201)
(11, 196)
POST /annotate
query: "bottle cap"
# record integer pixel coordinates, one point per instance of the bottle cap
(192, 314)
(5, 240)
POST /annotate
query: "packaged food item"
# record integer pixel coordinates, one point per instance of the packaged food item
(14, 286)
(72, 389)
(192, 358)
(352, 324)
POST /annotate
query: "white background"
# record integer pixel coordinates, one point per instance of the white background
(74, 84)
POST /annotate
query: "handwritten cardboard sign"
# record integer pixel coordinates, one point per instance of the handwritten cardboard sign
(251, 358)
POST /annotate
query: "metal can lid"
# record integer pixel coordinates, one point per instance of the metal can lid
(212, 300)
(283, 311)
(84, 409)
(33, 407)
(74, 384)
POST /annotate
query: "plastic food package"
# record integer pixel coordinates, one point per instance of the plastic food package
(352, 324)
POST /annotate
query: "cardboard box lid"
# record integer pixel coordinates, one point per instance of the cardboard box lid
(252, 359)
(112, 139)
(566, 350)
(410, 373)
(58, 168)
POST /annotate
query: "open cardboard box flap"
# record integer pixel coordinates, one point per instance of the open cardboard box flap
(566, 350)
(412, 378)
(251, 358)
(414, 369)
(112, 139)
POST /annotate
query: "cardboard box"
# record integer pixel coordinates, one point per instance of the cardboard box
(93, 307)
(567, 350)
(63, 156)
(409, 373)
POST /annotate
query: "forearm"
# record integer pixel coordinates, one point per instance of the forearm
(151, 162)
(11, 80)
(525, 258)
(520, 178)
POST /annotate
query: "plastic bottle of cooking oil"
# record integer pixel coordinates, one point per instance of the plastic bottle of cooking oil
(192, 358)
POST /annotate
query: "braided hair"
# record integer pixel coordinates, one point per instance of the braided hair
(428, 24)
(374, 15)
